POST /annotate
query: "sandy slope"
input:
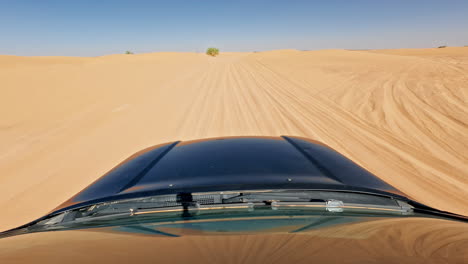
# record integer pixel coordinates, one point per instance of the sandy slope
(402, 114)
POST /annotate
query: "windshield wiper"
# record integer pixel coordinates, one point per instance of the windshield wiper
(246, 203)
(186, 204)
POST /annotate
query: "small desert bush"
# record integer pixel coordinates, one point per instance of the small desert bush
(212, 51)
(128, 52)
(441, 47)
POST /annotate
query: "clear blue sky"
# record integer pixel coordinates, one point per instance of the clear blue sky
(99, 27)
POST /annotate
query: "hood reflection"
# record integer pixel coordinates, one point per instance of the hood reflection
(369, 240)
(236, 226)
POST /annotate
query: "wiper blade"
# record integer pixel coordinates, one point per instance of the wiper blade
(312, 196)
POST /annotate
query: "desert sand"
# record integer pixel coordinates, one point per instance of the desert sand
(65, 121)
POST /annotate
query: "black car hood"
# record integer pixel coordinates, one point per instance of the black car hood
(231, 163)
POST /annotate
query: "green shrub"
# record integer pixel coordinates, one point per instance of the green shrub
(441, 47)
(212, 51)
(128, 52)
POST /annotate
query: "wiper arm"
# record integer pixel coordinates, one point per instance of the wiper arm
(268, 197)
(311, 196)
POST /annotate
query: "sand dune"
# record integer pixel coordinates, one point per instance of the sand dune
(402, 114)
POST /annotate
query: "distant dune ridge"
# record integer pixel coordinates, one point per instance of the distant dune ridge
(65, 121)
